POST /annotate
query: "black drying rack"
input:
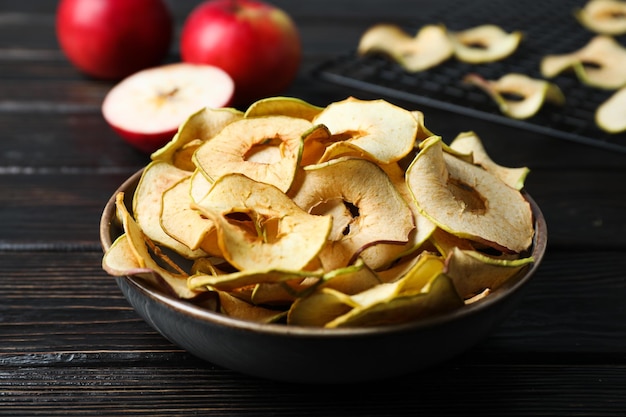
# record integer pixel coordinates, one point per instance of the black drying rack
(549, 27)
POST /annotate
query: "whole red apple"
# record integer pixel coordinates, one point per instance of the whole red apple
(110, 39)
(256, 43)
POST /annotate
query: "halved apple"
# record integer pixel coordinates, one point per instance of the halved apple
(428, 48)
(517, 95)
(266, 149)
(147, 107)
(484, 43)
(468, 201)
(606, 17)
(600, 63)
(381, 129)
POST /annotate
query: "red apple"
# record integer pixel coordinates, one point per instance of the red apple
(256, 43)
(147, 107)
(110, 39)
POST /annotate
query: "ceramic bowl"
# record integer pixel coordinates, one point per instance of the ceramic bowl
(317, 355)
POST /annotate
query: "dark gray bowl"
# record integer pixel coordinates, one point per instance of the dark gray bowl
(315, 355)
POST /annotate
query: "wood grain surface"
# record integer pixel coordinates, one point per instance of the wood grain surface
(71, 345)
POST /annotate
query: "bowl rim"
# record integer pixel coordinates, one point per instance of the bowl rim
(511, 286)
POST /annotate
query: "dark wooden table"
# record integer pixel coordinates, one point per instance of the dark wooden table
(71, 345)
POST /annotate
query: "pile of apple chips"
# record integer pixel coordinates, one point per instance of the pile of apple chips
(354, 214)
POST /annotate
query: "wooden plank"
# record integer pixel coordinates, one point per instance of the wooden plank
(159, 390)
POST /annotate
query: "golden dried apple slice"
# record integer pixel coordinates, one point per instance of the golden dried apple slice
(423, 291)
(470, 143)
(186, 225)
(600, 63)
(232, 306)
(428, 48)
(239, 279)
(468, 201)
(283, 106)
(169, 276)
(199, 127)
(517, 95)
(266, 149)
(607, 17)
(365, 207)
(473, 272)
(381, 129)
(259, 227)
(157, 178)
(484, 43)
(610, 115)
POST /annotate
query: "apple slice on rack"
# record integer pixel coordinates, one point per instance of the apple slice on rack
(147, 108)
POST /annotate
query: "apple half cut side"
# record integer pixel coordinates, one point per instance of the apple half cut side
(147, 108)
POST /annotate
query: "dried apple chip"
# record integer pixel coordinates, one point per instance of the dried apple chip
(235, 307)
(470, 143)
(600, 63)
(467, 201)
(198, 128)
(484, 43)
(472, 272)
(517, 95)
(607, 17)
(611, 114)
(369, 125)
(157, 178)
(266, 149)
(259, 227)
(283, 106)
(365, 207)
(424, 291)
(183, 223)
(168, 276)
(428, 48)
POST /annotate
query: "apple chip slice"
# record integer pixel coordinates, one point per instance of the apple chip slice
(517, 95)
(156, 178)
(266, 149)
(600, 63)
(470, 143)
(607, 17)
(472, 272)
(467, 201)
(198, 128)
(428, 48)
(134, 244)
(259, 227)
(283, 106)
(365, 207)
(186, 225)
(424, 291)
(485, 43)
(381, 129)
(611, 114)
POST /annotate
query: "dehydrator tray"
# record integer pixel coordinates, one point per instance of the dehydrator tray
(549, 27)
